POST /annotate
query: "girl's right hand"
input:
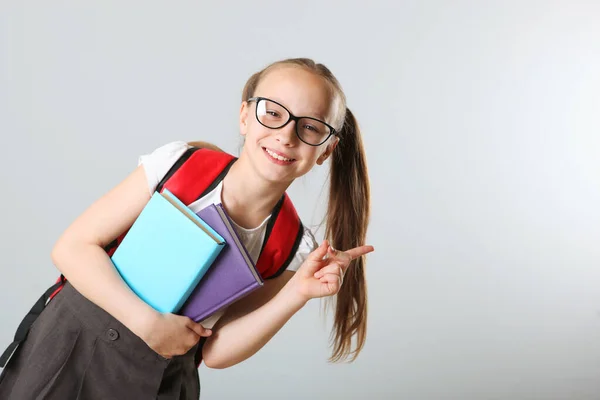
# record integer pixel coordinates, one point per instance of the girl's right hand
(172, 335)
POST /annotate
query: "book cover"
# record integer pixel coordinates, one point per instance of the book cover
(166, 252)
(232, 275)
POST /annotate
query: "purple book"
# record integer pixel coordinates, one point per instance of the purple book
(231, 276)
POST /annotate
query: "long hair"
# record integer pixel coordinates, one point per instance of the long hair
(348, 211)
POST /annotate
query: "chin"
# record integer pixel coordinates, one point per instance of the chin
(273, 172)
(270, 174)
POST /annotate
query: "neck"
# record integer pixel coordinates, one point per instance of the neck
(247, 197)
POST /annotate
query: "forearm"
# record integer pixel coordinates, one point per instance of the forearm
(243, 337)
(89, 269)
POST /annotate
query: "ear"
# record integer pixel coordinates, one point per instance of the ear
(328, 150)
(244, 112)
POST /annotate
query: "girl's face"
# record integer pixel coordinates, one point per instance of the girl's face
(304, 94)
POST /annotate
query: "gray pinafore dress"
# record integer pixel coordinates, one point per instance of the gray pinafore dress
(76, 350)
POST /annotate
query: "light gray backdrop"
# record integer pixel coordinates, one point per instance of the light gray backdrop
(481, 125)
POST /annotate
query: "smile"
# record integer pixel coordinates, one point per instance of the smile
(278, 158)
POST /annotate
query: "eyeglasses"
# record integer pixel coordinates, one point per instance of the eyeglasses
(273, 115)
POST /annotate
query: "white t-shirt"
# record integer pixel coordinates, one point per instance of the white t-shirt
(158, 163)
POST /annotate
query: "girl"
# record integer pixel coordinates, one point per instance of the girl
(97, 340)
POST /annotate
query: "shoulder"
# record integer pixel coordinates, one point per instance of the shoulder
(170, 150)
(307, 245)
(158, 162)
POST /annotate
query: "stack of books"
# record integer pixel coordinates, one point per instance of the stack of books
(181, 262)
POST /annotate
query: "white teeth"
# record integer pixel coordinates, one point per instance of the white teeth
(280, 158)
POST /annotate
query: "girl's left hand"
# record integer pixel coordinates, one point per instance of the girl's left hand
(322, 274)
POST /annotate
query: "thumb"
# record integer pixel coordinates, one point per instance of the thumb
(319, 252)
(316, 257)
(199, 329)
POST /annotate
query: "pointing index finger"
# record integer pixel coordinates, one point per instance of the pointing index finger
(359, 251)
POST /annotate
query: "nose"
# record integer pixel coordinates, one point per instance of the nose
(286, 135)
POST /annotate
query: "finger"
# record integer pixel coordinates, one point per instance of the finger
(336, 253)
(330, 269)
(206, 332)
(315, 259)
(332, 279)
(198, 329)
(341, 257)
(331, 283)
(339, 272)
(319, 252)
(359, 251)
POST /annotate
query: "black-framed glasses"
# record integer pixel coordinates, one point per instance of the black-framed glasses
(273, 115)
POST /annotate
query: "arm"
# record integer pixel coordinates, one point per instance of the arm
(249, 324)
(260, 314)
(79, 254)
(80, 257)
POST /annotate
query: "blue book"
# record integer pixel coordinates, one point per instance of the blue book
(166, 252)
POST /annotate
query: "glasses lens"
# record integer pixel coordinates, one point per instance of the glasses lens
(312, 131)
(271, 114)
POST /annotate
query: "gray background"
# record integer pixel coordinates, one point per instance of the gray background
(481, 125)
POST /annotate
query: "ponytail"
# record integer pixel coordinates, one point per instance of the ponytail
(346, 228)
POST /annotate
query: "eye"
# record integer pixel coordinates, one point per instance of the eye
(311, 128)
(273, 113)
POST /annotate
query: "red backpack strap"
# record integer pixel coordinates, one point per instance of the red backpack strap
(196, 173)
(60, 282)
(282, 239)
